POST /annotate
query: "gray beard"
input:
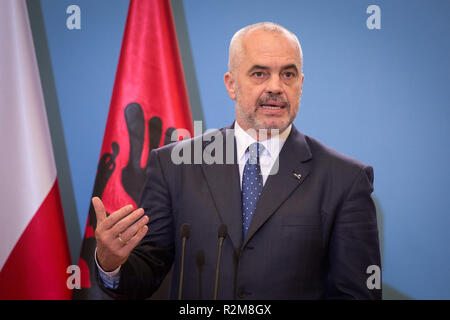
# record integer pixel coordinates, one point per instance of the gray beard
(251, 121)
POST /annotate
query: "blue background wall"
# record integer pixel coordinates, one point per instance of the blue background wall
(381, 96)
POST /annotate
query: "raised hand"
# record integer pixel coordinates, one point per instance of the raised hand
(117, 234)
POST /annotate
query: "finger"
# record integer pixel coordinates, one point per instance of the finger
(136, 239)
(117, 216)
(127, 221)
(133, 229)
(99, 209)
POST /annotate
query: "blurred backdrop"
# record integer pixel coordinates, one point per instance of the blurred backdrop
(379, 95)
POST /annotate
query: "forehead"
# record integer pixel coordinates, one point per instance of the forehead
(269, 47)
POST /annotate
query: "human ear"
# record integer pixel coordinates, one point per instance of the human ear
(302, 77)
(229, 84)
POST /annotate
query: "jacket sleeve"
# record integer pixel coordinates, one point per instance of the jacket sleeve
(354, 264)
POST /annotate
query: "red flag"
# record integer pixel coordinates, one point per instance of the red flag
(149, 102)
(34, 252)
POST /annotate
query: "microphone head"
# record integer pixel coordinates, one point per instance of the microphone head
(185, 230)
(200, 258)
(223, 230)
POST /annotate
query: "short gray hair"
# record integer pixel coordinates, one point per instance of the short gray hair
(236, 40)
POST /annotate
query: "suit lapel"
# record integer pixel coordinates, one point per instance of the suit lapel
(294, 166)
(223, 182)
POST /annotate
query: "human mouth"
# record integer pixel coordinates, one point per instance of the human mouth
(271, 107)
(272, 104)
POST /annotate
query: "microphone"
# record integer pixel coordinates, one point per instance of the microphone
(222, 233)
(200, 259)
(185, 233)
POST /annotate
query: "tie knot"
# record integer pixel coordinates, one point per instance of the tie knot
(254, 151)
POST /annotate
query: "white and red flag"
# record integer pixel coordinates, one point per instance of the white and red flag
(34, 252)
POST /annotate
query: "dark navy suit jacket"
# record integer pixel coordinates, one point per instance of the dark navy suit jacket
(313, 234)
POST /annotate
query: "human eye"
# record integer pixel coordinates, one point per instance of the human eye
(289, 75)
(258, 74)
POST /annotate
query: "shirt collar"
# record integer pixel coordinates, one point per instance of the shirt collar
(272, 146)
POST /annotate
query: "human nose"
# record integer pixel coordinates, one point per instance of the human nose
(274, 85)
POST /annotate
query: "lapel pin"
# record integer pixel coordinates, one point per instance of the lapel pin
(297, 175)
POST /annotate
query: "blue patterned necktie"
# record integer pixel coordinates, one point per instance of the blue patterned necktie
(252, 184)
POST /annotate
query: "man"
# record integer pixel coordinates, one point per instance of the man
(301, 222)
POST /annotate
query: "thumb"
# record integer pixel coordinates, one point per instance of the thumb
(99, 209)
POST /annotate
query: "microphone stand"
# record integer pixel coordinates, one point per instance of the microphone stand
(185, 233)
(222, 232)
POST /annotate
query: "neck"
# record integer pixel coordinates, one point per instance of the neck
(261, 134)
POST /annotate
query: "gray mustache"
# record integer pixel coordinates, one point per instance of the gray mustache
(272, 97)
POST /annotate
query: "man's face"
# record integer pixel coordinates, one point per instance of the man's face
(266, 81)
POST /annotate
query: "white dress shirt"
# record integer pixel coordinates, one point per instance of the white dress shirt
(267, 158)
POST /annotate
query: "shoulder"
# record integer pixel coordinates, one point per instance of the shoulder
(326, 153)
(334, 162)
